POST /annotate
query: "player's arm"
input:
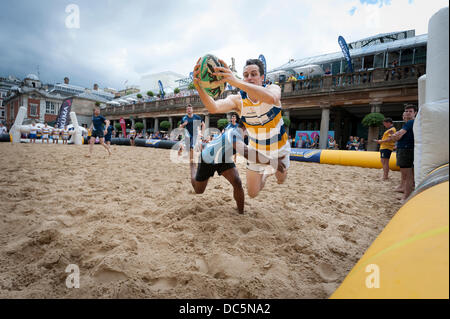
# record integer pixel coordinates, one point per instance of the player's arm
(270, 94)
(230, 103)
(395, 137)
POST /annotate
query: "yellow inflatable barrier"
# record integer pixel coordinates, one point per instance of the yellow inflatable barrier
(410, 258)
(355, 158)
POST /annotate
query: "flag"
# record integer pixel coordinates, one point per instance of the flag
(161, 88)
(346, 53)
(64, 113)
(124, 128)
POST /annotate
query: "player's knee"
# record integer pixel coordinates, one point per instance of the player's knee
(252, 193)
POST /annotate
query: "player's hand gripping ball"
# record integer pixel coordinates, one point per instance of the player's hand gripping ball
(208, 81)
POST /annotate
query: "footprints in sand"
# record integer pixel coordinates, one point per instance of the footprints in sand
(326, 272)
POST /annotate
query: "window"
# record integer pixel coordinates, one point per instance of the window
(420, 56)
(50, 107)
(336, 67)
(11, 113)
(368, 62)
(378, 60)
(407, 57)
(33, 109)
(393, 59)
(3, 113)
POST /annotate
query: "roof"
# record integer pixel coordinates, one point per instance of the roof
(90, 96)
(382, 47)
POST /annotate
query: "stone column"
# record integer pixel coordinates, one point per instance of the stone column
(132, 121)
(206, 121)
(156, 128)
(171, 123)
(324, 126)
(229, 117)
(375, 107)
(144, 121)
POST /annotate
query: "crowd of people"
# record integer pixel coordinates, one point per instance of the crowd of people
(356, 143)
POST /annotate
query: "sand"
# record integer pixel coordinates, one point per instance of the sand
(134, 227)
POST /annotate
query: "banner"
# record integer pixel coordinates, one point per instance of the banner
(64, 113)
(303, 135)
(263, 60)
(346, 52)
(161, 88)
(123, 126)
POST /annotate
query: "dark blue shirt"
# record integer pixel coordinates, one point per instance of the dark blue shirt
(110, 129)
(407, 140)
(190, 125)
(98, 122)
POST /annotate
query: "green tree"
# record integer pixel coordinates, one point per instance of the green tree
(139, 96)
(139, 126)
(222, 123)
(176, 91)
(118, 127)
(373, 119)
(97, 103)
(191, 86)
(287, 121)
(150, 93)
(165, 125)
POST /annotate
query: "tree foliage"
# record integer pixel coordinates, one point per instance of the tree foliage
(373, 119)
(222, 123)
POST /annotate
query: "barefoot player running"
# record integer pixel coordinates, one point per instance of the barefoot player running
(260, 110)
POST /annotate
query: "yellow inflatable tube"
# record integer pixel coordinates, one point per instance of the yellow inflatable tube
(410, 258)
(355, 158)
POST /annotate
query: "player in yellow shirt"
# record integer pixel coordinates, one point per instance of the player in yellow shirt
(386, 146)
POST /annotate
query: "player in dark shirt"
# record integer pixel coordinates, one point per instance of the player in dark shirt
(98, 130)
(191, 122)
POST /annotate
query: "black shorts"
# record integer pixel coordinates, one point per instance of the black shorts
(131, 137)
(107, 138)
(385, 153)
(405, 157)
(206, 170)
(98, 133)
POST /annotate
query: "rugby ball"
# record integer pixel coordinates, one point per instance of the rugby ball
(208, 81)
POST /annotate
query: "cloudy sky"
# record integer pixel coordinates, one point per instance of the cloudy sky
(111, 41)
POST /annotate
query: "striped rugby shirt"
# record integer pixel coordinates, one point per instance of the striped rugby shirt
(265, 127)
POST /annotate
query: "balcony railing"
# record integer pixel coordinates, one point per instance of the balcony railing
(354, 81)
(376, 78)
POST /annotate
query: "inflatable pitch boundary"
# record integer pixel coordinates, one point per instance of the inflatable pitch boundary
(165, 144)
(366, 159)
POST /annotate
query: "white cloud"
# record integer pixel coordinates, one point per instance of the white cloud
(119, 41)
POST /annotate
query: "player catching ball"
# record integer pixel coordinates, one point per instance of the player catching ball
(260, 110)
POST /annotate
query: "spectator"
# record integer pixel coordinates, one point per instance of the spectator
(316, 143)
(350, 144)
(132, 135)
(327, 71)
(3, 129)
(300, 76)
(405, 151)
(331, 143)
(386, 146)
(307, 143)
(362, 145)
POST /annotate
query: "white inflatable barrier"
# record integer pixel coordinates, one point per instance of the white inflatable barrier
(431, 132)
(18, 128)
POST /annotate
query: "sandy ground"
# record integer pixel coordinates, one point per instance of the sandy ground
(135, 228)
